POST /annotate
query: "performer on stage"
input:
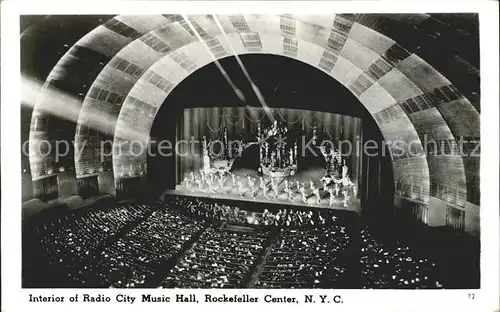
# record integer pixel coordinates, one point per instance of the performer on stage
(345, 170)
(199, 181)
(209, 178)
(221, 183)
(240, 188)
(211, 186)
(302, 191)
(290, 194)
(311, 184)
(332, 196)
(318, 197)
(274, 184)
(264, 191)
(233, 177)
(346, 183)
(263, 186)
(337, 189)
(298, 185)
(249, 179)
(252, 186)
(259, 172)
(347, 198)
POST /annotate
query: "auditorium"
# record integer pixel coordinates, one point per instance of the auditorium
(334, 151)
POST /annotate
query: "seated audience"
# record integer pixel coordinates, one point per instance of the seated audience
(194, 243)
(394, 267)
(219, 259)
(307, 258)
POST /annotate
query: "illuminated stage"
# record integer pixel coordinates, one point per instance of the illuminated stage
(231, 192)
(286, 152)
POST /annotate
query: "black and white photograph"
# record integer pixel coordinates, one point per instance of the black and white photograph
(253, 150)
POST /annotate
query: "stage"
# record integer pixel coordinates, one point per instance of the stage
(230, 191)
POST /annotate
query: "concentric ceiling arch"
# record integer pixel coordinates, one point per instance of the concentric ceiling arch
(131, 64)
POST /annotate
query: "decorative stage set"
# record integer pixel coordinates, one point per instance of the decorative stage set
(285, 156)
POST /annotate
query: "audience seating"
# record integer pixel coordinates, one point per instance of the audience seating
(394, 267)
(219, 259)
(192, 243)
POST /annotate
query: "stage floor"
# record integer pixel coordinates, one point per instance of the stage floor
(231, 192)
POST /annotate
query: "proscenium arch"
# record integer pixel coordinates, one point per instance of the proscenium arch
(147, 96)
(375, 68)
(125, 166)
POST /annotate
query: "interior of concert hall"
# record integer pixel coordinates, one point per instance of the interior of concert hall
(251, 151)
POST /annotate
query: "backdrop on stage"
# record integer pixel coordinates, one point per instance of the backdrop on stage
(286, 144)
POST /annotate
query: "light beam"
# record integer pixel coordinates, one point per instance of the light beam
(237, 91)
(51, 101)
(245, 72)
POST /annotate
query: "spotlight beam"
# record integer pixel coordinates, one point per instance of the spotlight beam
(65, 106)
(237, 91)
(245, 71)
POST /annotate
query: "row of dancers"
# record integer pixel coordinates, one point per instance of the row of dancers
(270, 187)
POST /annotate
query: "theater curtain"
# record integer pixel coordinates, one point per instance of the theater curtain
(241, 122)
